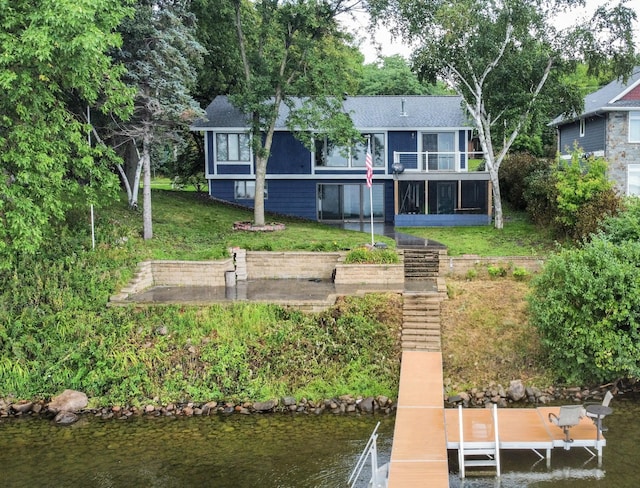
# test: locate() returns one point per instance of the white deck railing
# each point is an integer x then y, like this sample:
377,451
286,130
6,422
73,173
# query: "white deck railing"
422,162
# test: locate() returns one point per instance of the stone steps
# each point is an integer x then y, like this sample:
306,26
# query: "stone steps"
421,322
420,264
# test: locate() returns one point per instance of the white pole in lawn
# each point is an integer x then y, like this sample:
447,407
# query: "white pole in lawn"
369,165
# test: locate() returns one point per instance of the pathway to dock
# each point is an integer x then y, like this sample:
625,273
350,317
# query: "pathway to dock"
424,429
419,452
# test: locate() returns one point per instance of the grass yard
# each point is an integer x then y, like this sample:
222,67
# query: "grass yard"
519,237
486,336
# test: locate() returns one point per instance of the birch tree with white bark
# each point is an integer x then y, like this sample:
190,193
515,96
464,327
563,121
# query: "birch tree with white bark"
507,59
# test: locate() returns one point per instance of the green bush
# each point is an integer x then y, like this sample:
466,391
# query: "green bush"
572,197
625,226
585,195
520,274
471,274
540,194
497,271
514,171
585,305
365,255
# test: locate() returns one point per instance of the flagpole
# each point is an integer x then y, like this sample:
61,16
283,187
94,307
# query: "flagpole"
371,212
369,167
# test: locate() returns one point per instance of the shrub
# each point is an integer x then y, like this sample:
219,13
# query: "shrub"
496,271
472,274
584,304
625,226
365,255
540,194
520,274
584,195
514,171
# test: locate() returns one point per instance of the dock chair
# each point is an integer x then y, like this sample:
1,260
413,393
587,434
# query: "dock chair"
570,416
598,415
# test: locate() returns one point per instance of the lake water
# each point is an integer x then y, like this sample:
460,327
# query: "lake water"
270,451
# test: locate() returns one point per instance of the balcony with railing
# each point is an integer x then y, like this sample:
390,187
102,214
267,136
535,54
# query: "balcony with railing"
433,161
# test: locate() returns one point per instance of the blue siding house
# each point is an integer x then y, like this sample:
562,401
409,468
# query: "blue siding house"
421,148
609,127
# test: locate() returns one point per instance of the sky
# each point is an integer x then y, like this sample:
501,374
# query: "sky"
391,45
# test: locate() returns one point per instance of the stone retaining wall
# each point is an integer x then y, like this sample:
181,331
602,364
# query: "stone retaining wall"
460,265
175,273
369,274
291,265
191,273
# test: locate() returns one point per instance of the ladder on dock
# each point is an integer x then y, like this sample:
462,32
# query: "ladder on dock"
479,454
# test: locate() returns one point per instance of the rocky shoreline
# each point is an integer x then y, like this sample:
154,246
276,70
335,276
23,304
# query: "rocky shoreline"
69,405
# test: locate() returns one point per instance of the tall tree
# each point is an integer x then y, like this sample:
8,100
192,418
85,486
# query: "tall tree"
54,63
161,54
507,59
289,50
393,76
221,68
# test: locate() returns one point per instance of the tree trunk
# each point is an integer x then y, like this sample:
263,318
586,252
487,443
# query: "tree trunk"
497,200
261,168
258,203
146,191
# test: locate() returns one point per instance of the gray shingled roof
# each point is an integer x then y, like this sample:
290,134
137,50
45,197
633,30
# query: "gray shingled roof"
379,112
600,100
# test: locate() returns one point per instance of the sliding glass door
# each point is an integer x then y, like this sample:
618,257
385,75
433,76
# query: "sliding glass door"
350,202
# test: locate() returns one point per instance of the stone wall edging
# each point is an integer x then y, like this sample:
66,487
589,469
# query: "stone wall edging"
460,265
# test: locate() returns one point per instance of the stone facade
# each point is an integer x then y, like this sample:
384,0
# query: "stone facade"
619,151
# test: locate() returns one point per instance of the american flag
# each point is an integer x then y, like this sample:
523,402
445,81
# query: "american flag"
369,164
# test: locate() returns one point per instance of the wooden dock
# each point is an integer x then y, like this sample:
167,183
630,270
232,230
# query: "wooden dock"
520,429
425,430
419,451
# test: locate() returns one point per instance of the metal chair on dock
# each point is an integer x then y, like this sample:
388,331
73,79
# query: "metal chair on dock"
598,411
568,417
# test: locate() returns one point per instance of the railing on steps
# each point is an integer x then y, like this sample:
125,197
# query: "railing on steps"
490,451
370,450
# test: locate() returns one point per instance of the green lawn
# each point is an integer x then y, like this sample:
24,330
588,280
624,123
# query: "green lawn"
519,237
191,226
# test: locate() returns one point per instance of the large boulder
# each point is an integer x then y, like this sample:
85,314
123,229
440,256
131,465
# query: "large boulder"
516,390
68,401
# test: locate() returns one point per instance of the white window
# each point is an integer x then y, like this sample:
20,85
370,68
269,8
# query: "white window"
634,126
633,179
581,127
232,148
329,154
246,190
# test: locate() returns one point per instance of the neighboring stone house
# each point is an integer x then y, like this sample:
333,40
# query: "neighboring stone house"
609,127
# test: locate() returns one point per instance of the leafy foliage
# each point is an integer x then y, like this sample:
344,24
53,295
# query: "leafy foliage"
573,197
293,49
516,168
625,226
371,256
394,77
54,64
585,305
508,61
